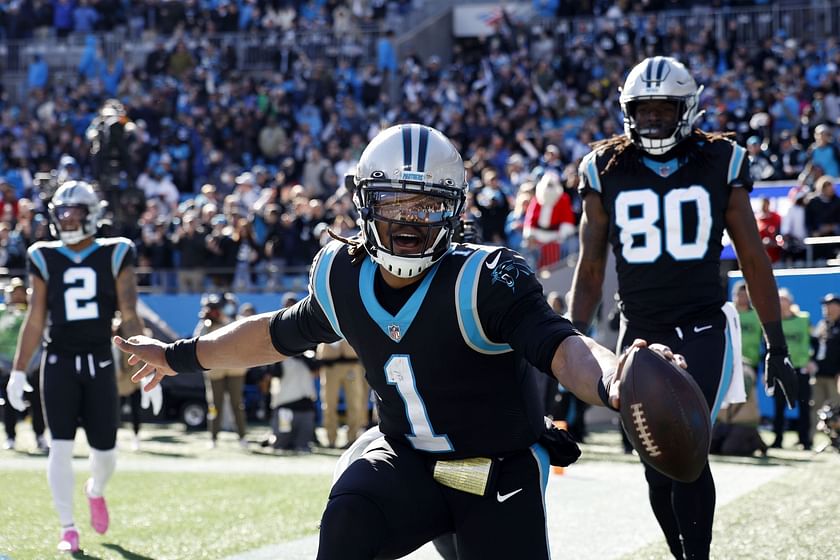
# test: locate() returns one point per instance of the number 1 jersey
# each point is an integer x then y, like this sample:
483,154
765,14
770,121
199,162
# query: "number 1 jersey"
450,367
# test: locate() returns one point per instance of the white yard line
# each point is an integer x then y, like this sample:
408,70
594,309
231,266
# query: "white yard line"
595,510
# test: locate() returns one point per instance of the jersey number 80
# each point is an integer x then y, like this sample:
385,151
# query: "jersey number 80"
637,213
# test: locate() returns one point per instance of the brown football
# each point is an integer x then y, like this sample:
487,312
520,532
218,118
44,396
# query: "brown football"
665,415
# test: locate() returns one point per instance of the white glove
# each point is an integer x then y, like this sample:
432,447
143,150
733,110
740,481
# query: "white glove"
153,397
15,388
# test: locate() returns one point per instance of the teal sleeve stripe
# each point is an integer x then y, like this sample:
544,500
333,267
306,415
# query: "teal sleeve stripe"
120,251
39,261
321,284
467,296
735,163
592,174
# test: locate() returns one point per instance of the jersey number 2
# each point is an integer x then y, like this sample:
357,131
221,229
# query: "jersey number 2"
80,296
400,373
641,239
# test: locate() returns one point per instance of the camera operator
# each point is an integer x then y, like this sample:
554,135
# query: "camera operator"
110,134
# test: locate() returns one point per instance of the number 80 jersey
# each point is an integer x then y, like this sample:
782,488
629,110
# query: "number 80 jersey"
666,222
81,291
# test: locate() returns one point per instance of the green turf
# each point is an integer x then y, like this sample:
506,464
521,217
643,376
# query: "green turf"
794,517
165,515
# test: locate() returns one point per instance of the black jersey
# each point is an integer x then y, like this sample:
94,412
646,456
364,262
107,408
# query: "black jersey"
81,291
449,368
666,222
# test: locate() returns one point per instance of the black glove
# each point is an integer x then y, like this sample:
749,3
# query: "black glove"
779,374
561,447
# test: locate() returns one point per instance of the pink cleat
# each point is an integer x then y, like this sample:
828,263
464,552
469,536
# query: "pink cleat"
69,541
98,510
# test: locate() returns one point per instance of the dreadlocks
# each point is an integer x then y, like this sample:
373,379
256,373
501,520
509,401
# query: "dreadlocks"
623,151
356,246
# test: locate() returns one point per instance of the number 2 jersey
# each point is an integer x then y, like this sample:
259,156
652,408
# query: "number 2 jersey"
81,291
666,222
450,368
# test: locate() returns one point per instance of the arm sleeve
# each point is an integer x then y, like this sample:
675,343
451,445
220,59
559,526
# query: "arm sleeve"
512,309
300,327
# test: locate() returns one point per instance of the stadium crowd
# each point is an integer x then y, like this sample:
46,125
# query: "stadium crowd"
241,174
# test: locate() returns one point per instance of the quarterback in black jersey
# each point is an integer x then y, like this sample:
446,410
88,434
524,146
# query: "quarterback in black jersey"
661,194
443,331
78,284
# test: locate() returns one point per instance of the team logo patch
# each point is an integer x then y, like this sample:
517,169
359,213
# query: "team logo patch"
394,332
509,271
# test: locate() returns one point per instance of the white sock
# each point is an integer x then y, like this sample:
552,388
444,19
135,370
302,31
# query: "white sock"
61,480
102,465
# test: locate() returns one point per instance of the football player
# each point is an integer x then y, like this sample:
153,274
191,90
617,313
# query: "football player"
443,331
661,194
78,283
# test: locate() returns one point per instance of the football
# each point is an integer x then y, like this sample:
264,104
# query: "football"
664,415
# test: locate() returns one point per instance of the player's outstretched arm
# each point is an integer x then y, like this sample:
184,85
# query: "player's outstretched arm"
243,343
593,373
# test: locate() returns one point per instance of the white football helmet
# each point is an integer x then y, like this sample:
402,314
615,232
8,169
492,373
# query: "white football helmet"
660,77
75,195
409,189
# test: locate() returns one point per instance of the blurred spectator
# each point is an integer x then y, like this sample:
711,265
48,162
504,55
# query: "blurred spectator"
85,17
760,167
222,244
38,74
822,215
827,356
341,373
12,313
769,227
293,401
823,154
796,325
189,241
494,208
549,220
793,228
221,382
789,157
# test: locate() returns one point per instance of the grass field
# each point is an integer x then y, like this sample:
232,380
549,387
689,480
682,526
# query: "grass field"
178,500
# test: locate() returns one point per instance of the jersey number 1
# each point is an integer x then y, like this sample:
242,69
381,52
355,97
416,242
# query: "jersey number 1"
80,296
400,373
636,214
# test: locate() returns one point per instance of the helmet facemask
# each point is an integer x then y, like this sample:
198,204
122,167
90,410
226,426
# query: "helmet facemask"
408,227
76,205
409,191
660,79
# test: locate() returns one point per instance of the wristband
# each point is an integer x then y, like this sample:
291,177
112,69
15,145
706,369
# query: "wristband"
605,397
181,356
774,334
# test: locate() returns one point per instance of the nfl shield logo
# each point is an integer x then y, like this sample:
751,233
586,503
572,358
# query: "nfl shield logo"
394,332
665,170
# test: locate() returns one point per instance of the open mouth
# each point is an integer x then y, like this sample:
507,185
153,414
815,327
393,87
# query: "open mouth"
408,241
655,132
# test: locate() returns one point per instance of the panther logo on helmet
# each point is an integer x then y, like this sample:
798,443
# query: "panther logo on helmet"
660,78
74,199
409,189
